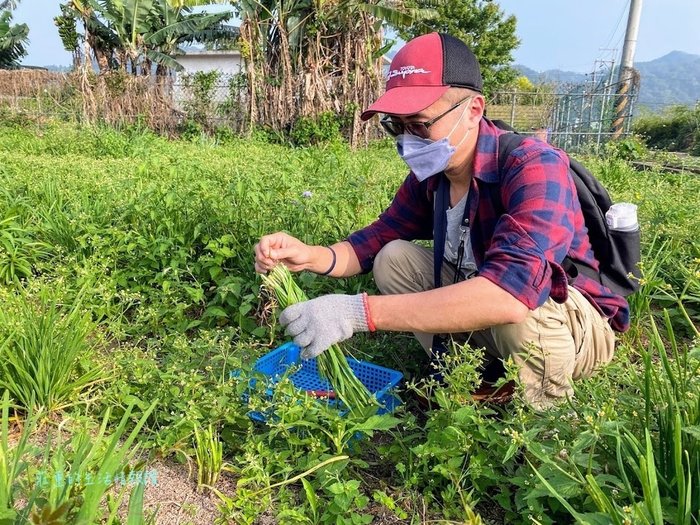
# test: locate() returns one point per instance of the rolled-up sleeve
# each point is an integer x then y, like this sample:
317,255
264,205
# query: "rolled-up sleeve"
408,217
533,236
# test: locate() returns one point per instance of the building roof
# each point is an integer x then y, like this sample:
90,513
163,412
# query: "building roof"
192,51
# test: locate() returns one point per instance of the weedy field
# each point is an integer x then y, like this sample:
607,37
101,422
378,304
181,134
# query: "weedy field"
128,298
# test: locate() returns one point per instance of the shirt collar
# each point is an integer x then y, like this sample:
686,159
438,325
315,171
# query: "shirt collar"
486,154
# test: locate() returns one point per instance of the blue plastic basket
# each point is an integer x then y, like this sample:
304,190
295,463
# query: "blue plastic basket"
378,379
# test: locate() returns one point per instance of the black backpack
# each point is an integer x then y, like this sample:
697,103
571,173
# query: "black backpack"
617,252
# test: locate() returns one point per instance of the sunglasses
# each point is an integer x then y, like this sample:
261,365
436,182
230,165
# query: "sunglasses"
395,127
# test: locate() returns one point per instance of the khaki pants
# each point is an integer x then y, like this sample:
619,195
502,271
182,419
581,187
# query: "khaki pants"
555,344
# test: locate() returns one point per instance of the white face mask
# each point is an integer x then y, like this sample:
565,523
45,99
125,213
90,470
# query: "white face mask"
427,157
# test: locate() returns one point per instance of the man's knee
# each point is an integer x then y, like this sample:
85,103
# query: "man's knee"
396,266
514,337
541,328
543,350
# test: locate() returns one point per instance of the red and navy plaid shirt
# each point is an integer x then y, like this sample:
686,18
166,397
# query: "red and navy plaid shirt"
523,223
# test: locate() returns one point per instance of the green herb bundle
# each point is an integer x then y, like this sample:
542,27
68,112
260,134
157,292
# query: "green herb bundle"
332,364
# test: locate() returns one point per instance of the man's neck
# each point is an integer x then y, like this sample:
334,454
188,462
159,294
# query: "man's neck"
463,170
460,176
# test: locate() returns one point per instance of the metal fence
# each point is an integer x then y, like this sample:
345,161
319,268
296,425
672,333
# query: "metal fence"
573,117
212,98
576,118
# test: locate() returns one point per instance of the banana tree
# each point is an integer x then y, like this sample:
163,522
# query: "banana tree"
128,21
135,34
98,42
13,41
307,57
174,26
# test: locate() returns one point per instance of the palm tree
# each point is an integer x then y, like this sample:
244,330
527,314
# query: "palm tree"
13,41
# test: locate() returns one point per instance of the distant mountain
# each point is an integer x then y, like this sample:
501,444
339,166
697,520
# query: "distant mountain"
672,79
556,76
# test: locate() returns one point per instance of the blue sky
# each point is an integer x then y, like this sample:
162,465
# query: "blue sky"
571,35
554,34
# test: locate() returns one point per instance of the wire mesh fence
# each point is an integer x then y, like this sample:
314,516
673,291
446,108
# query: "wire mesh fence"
573,117
578,117
213,99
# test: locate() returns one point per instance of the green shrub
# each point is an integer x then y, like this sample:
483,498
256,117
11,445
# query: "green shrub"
631,148
677,129
191,129
201,107
19,252
309,131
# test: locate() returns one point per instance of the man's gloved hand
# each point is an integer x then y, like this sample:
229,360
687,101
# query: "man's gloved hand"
319,323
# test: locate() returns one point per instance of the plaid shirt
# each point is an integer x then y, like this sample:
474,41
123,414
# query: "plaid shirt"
523,222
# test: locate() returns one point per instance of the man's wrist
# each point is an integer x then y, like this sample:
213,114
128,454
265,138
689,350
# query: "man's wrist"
323,260
368,313
333,261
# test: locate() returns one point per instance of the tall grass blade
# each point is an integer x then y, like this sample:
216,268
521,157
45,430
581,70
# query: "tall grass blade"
135,511
556,494
115,455
650,487
12,463
601,500
678,467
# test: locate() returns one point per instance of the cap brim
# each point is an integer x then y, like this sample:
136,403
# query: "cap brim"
406,100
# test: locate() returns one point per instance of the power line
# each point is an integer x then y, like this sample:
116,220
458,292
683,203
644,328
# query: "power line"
625,9
620,40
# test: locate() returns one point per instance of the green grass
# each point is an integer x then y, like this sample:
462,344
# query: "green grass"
41,351
146,247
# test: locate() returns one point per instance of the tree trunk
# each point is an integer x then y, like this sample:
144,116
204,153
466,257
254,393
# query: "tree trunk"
332,70
249,39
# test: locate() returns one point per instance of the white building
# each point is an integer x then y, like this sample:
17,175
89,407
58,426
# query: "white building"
227,62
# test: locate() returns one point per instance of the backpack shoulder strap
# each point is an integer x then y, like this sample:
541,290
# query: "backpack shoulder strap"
507,142
510,141
594,201
442,200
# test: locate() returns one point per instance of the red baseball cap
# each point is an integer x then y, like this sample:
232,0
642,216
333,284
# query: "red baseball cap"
422,71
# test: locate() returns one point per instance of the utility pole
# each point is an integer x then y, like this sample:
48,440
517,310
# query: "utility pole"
627,73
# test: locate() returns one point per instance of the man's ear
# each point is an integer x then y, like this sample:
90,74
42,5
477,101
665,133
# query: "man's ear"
476,110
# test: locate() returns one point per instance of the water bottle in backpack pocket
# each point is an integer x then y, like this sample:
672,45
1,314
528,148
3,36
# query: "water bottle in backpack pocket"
615,240
623,230
622,217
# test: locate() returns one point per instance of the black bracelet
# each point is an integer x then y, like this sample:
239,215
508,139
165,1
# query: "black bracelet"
332,264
